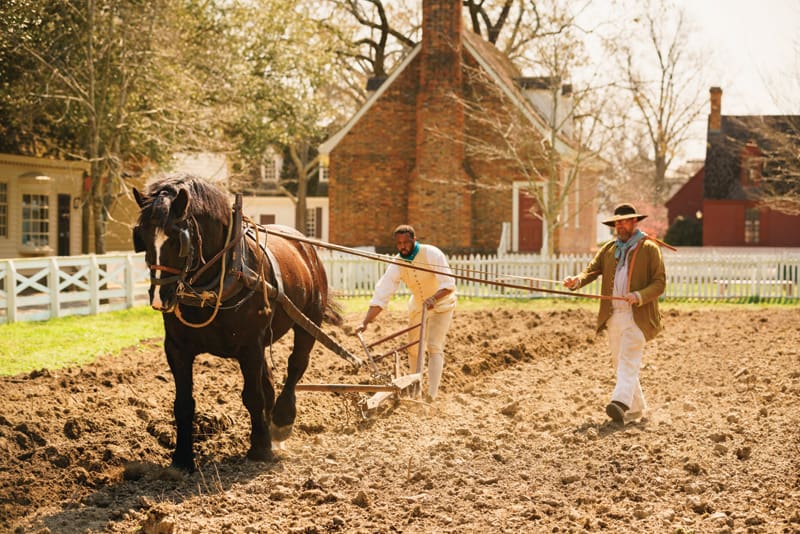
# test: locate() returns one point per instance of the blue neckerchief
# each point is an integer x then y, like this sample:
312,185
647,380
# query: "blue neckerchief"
621,248
413,254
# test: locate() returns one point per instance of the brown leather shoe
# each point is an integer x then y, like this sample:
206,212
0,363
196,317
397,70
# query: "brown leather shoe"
616,411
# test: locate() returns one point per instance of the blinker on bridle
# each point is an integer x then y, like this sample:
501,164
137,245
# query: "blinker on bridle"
185,250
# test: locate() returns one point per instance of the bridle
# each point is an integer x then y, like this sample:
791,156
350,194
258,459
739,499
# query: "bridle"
194,265
187,236
231,279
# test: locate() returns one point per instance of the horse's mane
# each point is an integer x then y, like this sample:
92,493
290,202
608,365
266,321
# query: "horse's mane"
205,199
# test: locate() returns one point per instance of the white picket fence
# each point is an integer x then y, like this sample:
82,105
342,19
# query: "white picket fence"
43,288
692,274
35,289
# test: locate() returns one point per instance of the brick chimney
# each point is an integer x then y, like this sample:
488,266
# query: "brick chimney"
439,198
715,118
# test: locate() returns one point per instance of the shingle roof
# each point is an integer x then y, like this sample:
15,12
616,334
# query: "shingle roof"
774,135
500,68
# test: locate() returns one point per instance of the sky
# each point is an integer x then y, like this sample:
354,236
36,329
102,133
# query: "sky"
756,48
756,55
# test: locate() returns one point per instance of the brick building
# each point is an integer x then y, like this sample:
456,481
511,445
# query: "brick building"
387,166
742,159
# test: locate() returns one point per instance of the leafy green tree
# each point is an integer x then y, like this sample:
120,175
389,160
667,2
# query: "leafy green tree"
282,97
125,84
95,81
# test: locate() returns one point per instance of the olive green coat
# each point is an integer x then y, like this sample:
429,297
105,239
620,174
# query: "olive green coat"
646,276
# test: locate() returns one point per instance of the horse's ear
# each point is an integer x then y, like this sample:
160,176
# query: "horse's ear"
139,198
180,205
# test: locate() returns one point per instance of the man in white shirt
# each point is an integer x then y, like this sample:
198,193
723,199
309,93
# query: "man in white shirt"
435,291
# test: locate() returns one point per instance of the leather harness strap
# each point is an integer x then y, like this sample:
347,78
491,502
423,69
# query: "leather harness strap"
299,317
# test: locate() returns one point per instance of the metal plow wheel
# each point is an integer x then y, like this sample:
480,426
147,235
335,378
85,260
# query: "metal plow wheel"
384,386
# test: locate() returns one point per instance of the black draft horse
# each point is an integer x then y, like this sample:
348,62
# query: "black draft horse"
186,230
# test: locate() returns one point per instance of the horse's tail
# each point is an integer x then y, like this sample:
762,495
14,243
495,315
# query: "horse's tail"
332,313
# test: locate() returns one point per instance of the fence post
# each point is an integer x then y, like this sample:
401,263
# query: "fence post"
94,283
11,291
129,282
52,284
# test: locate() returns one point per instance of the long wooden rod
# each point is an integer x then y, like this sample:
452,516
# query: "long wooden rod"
409,265
345,388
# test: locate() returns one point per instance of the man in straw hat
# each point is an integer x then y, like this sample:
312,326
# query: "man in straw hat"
633,278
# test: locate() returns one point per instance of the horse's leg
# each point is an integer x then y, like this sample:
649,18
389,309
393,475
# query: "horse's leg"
257,396
284,413
183,408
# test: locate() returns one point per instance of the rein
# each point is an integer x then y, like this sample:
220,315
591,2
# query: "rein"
171,270
227,246
387,259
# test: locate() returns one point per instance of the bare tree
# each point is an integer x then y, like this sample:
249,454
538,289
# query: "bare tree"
369,38
375,34
513,26
780,186
665,82
766,149
544,140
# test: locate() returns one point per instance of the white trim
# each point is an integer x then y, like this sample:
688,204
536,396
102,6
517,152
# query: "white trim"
328,146
516,188
44,163
577,187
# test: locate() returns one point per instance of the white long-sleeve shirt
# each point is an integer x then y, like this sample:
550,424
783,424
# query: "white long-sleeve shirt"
422,284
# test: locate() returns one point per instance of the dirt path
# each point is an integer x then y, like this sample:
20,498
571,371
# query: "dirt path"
518,440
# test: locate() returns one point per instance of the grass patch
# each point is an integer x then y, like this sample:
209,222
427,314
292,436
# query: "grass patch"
74,340
77,340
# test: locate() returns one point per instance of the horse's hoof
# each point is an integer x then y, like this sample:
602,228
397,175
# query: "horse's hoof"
183,463
280,433
259,455
175,472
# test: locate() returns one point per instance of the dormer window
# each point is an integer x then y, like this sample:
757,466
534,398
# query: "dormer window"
269,170
271,165
752,162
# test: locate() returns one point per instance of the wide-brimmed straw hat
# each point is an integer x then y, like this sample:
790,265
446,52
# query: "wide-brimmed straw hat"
622,212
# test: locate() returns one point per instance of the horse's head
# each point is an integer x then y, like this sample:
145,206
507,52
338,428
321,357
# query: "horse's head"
183,221
165,234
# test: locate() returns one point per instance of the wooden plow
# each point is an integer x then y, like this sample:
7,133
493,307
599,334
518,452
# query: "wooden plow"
386,386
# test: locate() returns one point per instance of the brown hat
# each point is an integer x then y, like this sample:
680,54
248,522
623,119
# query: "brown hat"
622,212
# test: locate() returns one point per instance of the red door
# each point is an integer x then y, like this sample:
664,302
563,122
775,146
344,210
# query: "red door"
529,226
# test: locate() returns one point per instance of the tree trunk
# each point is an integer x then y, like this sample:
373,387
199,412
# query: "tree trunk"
98,221
300,206
302,186
659,182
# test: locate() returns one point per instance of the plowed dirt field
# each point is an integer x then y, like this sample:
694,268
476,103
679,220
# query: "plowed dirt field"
518,440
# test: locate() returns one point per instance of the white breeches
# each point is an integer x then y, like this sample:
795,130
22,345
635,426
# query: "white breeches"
626,341
438,324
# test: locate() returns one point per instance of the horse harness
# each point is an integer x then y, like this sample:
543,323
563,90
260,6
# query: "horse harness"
235,277
235,273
